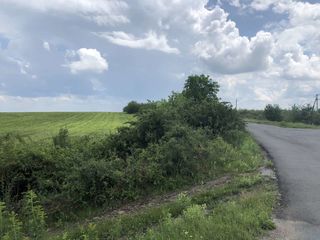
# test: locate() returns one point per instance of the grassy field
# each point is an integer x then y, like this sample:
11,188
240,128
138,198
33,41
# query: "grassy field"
45,125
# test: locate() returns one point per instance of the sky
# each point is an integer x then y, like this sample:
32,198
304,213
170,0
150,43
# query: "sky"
97,55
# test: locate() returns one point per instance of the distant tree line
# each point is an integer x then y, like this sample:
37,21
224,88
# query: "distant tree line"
303,114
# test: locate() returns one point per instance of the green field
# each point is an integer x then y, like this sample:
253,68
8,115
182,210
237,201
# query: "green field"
45,125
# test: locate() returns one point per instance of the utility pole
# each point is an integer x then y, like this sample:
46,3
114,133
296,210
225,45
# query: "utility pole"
316,103
236,103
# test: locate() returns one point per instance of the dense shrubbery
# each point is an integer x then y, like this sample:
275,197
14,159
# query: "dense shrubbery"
184,139
133,107
304,114
297,114
272,113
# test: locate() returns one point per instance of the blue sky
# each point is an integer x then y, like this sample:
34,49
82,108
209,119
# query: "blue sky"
96,55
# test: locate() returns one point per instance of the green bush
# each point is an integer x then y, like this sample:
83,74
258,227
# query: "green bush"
273,113
304,114
133,107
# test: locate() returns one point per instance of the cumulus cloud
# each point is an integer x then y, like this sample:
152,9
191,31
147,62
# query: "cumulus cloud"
262,5
207,33
222,47
296,54
103,12
151,41
90,60
297,44
297,65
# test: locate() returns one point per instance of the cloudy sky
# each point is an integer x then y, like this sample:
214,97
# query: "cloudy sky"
96,55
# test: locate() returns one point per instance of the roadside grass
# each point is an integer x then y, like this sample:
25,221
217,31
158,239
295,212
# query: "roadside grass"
246,217
283,124
247,198
45,125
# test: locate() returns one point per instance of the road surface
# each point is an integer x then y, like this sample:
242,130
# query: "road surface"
296,155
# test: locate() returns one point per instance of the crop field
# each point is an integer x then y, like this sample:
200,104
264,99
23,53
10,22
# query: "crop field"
45,125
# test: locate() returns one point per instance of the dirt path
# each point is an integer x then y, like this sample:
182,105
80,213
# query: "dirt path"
156,201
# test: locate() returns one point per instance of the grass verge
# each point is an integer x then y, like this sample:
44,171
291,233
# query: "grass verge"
283,124
240,209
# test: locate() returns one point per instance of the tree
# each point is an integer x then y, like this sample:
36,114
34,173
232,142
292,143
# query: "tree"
132,107
200,88
273,113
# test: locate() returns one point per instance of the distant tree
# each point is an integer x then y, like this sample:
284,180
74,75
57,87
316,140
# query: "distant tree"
273,113
132,107
200,87
304,114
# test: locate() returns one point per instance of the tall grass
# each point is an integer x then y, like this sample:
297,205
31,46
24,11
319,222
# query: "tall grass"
243,219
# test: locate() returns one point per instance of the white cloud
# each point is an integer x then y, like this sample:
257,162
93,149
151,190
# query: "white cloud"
270,94
296,53
151,41
262,5
90,60
300,13
222,47
207,33
235,3
103,12
297,45
46,46
206,21
297,65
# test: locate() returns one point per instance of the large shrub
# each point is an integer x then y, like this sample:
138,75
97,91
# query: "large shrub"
132,107
272,113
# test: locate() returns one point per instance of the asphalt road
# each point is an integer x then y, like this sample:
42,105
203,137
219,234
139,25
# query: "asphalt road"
296,155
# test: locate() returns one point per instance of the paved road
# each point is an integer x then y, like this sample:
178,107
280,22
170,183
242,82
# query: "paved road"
296,154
